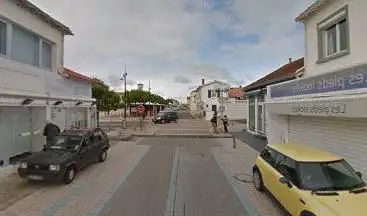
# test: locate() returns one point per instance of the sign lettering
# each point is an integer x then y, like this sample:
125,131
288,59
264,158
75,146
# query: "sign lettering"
323,109
352,78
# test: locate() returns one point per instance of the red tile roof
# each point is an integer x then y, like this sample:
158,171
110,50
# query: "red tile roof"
76,76
236,92
286,72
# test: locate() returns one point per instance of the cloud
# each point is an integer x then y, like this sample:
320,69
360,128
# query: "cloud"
173,40
182,79
215,72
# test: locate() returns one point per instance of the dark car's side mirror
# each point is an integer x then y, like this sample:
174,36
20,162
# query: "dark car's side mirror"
285,180
359,174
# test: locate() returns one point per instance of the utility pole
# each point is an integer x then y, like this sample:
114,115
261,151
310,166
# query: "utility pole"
125,95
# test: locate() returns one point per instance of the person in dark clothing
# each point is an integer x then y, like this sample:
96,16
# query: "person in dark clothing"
214,123
225,123
50,132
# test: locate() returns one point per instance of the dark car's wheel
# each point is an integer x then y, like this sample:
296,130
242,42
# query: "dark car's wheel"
163,121
103,155
258,181
69,175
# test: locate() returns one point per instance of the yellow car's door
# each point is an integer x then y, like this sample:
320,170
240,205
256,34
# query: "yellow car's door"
288,185
266,164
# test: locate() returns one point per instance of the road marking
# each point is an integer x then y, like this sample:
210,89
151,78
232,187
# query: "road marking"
171,208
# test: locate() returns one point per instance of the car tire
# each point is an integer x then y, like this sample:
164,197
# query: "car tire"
69,175
257,179
307,213
163,121
103,155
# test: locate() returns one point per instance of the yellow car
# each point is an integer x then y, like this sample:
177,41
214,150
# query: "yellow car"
310,182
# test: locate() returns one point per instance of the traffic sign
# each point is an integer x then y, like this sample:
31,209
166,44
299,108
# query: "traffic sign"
141,108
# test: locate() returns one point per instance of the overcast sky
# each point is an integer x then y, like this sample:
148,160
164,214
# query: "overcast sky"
175,43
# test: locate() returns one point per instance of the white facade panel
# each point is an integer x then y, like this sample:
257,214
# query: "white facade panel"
342,136
236,110
357,31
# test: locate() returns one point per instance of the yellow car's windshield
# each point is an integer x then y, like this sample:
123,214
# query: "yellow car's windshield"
336,175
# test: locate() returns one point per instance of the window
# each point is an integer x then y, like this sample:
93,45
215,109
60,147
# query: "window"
46,55
269,155
209,93
25,47
3,34
334,36
252,113
218,92
214,108
336,175
287,167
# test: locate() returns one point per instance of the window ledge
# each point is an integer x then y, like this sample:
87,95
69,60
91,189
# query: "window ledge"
334,56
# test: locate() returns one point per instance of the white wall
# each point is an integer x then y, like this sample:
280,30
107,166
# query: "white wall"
211,101
358,35
22,78
236,110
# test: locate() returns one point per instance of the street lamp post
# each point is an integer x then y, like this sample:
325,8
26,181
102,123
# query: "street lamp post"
125,95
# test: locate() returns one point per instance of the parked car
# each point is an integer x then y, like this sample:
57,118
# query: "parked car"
165,117
310,182
72,151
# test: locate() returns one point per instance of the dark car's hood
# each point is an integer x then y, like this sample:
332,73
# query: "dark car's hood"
49,156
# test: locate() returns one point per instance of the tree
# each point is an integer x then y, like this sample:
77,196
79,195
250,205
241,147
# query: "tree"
139,96
99,92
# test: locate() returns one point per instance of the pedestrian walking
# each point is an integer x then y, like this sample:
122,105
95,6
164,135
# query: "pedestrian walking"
225,123
214,123
50,131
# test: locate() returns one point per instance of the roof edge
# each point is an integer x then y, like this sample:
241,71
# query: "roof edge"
312,9
32,8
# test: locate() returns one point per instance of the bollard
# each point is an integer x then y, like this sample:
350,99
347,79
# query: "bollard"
234,142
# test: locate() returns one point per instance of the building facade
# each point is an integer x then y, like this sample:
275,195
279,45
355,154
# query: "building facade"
327,107
31,84
256,94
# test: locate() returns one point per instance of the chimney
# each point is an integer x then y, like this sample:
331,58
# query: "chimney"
290,60
202,81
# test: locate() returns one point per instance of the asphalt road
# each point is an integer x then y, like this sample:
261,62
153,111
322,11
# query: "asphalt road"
179,173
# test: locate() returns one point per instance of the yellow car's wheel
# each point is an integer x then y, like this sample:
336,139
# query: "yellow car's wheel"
257,179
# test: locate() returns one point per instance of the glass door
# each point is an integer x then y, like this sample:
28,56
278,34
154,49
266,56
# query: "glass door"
260,118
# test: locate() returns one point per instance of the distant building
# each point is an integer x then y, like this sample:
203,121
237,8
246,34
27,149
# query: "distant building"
140,86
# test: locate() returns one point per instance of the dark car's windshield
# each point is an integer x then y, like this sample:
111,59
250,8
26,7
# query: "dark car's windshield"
336,175
160,114
67,142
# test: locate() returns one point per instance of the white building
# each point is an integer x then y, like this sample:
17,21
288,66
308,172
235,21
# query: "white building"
205,99
327,107
31,84
256,95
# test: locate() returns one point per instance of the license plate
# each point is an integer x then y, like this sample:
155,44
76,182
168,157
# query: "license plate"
35,177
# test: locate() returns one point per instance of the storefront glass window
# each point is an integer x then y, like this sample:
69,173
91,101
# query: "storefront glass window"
251,113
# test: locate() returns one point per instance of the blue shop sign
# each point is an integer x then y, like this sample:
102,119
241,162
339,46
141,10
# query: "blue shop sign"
347,79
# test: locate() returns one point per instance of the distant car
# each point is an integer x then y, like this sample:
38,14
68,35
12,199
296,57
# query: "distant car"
165,117
310,182
72,151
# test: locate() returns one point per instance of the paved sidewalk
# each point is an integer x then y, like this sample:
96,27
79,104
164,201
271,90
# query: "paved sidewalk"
237,166
88,193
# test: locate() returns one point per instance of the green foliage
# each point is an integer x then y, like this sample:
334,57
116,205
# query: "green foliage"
139,96
107,99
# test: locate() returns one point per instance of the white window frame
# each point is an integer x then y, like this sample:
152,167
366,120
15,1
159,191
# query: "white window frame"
9,35
338,42
333,20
